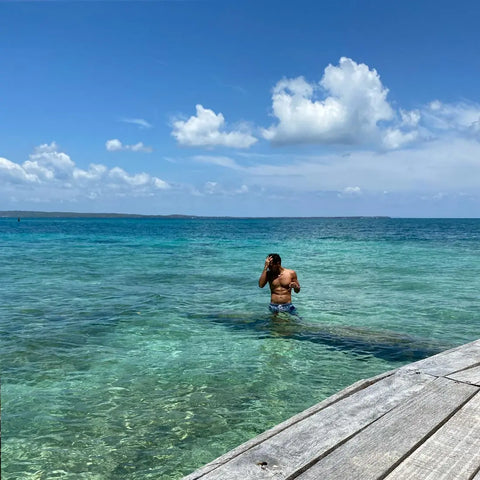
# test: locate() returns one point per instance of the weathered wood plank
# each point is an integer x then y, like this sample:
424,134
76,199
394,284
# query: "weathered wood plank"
378,448
290,450
449,361
470,375
453,452
350,390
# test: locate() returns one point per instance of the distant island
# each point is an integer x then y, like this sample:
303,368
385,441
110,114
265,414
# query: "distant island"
34,214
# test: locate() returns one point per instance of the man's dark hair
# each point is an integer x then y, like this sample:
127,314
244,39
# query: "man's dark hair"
275,258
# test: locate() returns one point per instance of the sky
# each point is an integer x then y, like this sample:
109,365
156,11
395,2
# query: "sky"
241,108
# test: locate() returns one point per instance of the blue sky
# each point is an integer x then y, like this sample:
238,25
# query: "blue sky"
242,108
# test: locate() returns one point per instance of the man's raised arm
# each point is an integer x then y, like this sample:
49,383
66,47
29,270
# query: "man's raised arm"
262,281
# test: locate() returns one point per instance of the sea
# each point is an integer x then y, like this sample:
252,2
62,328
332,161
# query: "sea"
143,348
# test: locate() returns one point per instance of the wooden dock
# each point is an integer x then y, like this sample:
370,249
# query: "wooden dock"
421,421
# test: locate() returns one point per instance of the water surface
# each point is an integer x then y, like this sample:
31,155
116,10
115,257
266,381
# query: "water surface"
143,348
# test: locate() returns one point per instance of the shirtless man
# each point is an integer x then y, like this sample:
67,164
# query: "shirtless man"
281,281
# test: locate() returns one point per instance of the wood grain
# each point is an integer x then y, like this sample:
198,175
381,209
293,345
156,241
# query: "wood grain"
469,375
375,450
450,361
453,452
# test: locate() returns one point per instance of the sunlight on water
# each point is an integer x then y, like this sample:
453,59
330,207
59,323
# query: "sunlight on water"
142,349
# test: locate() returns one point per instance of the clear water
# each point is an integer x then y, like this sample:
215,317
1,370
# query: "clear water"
143,348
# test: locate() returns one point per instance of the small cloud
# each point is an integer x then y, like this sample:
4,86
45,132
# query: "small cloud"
137,121
206,129
113,145
139,147
352,191
116,145
214,188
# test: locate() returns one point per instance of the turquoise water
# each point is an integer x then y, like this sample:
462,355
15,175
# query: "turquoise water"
143,348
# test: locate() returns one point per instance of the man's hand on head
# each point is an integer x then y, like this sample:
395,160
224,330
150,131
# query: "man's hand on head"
268,262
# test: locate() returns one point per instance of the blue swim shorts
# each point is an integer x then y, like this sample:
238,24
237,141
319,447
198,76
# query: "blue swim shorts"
283,308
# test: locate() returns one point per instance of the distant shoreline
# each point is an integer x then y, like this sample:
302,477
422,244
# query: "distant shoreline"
35,214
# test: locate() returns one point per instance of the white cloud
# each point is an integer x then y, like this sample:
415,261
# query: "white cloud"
113,145
352,191
14,173
116,145
460,117
206,129
139,147
355,102
394,138
137,121
138,180
410,118
50,174
215,188
94,172
46,162
349,106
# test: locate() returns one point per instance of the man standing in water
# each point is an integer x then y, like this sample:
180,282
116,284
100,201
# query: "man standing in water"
281,281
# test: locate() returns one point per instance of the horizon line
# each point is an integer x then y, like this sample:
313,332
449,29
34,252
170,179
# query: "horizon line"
67,214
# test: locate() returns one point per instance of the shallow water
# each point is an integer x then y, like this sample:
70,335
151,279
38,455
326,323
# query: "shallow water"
143,348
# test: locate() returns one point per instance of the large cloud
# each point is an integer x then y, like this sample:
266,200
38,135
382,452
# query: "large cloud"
349,106
206,129
355,101
51,174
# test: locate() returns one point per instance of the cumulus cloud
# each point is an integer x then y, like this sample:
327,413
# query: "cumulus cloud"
354,102
14,173
116,145
207,129
50,174
349,106
113,145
